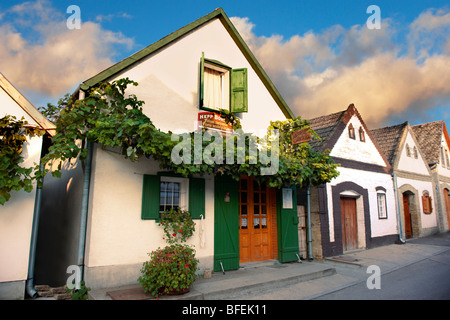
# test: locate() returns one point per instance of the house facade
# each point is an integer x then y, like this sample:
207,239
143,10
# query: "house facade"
413,183
202,67
356,210
434,141
16,215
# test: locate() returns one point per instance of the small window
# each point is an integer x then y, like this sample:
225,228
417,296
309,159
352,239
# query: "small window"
442,158
416,154
408,150
351,131
446,157
362,136
427,203
172,194
216,88
222,87
382,208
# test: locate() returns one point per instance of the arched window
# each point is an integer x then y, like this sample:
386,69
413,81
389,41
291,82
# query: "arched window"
351,131
416,154
362,136
381,202
408,150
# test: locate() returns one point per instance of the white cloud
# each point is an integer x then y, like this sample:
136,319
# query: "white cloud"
54,58
321,73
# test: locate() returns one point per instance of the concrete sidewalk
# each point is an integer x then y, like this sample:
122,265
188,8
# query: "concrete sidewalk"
232,284
316,278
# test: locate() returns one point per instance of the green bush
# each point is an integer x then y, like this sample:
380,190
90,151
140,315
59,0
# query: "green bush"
169,270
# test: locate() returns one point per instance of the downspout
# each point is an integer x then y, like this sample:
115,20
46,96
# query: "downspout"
84,204
29,287
84,209
308,218
397,204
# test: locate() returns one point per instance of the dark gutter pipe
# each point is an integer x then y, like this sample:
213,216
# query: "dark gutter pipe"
308,218
29,286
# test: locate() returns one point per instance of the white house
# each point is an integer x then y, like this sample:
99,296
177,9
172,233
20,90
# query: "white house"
434,142
16,215
201,67
412,180
356,210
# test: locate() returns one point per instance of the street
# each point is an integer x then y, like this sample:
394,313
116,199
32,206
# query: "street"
426,279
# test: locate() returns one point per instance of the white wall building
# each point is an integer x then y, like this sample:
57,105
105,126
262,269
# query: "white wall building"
124,196
412,177
16,215
356,209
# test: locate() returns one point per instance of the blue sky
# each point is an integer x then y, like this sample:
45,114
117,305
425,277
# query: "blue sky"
320,54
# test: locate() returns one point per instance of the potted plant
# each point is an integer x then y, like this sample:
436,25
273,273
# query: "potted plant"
172,269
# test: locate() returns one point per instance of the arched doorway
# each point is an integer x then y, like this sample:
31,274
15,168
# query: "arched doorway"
447,205
407,215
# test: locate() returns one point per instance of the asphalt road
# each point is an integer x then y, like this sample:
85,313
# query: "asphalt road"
428,279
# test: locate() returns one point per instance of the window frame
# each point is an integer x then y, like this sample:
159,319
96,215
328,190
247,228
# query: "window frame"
427,203
194,196
408,151
351,132
362,135
183,192
381,194
234,97
225,74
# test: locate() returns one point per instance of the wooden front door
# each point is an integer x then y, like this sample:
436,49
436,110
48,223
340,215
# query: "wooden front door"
407,214
447,206
256,215
349,224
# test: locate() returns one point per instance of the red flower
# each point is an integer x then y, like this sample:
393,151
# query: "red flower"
187,271
180,231
186,266
174,234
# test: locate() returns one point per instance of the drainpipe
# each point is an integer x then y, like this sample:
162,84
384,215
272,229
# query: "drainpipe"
84,201
308,218
84,209
29,287
397,204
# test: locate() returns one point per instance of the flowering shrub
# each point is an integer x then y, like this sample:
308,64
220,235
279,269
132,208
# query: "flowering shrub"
170,269
178,225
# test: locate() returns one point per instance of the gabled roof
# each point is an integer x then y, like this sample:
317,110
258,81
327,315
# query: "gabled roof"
429,137
330,127
389,139
26,106
159,45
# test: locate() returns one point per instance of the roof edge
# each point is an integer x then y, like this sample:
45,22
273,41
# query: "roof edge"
27,106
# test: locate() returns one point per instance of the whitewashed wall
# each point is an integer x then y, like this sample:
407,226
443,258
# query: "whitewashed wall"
118,240
368,180
169,81
16,216
354,149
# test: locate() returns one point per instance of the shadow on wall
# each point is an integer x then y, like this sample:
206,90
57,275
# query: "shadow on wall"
59,223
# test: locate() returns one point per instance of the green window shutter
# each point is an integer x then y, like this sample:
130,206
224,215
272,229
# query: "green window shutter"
202,79
238,90
150,197
197,197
